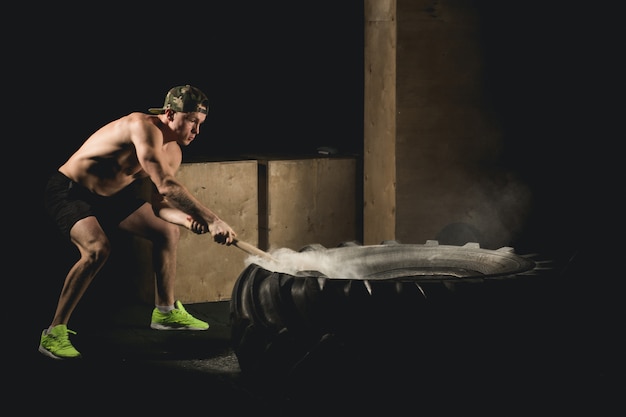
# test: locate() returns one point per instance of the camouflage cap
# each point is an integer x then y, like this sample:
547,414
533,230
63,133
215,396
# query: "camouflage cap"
184,98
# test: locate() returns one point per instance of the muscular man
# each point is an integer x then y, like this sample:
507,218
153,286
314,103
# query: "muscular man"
92,192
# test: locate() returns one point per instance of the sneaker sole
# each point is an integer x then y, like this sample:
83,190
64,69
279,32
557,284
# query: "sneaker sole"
49,354
157,326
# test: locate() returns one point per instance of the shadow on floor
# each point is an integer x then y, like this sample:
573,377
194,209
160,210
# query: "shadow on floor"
129,368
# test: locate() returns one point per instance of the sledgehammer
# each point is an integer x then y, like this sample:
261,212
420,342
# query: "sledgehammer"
245,246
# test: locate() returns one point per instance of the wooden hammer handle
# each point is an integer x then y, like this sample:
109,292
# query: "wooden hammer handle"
253,250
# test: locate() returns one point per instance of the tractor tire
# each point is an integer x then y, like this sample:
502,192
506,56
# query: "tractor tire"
414,309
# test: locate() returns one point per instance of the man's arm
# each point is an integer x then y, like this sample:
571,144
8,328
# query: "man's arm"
161,165
173,215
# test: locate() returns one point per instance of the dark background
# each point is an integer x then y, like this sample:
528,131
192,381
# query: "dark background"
282,77
285,78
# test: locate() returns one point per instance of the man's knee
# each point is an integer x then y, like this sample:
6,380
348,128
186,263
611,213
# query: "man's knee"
169,234
173,233
98,251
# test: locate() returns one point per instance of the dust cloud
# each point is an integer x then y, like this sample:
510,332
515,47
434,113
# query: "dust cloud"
291,262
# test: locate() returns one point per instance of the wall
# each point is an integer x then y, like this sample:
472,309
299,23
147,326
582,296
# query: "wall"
379,128
447,143
431,142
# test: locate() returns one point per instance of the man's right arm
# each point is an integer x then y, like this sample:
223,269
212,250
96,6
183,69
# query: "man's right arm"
161,167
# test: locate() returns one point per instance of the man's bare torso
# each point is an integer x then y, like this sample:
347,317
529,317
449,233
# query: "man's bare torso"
107,161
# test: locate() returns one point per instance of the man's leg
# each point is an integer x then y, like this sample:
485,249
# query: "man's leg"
168,314
94,248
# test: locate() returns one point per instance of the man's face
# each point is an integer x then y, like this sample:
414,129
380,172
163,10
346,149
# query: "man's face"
187,126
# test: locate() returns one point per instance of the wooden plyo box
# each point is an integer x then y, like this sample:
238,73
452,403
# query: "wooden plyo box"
307,201
272,204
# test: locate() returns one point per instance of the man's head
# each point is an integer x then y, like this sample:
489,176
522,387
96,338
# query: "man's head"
184,98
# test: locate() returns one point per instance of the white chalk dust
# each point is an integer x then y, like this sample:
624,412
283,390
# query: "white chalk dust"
291,262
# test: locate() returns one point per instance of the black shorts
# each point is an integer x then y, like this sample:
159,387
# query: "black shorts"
68,202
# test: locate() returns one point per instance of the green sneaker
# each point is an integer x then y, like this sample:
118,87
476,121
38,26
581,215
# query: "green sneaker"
56,344
177,319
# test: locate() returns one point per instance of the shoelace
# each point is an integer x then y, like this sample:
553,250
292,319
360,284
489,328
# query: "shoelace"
64,337
183,314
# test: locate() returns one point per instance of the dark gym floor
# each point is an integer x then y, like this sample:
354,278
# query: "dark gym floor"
129,368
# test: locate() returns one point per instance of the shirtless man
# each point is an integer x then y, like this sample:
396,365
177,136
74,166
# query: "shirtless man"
92,192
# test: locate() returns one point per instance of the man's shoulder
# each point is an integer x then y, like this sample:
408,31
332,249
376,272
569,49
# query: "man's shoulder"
139,117
138,120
